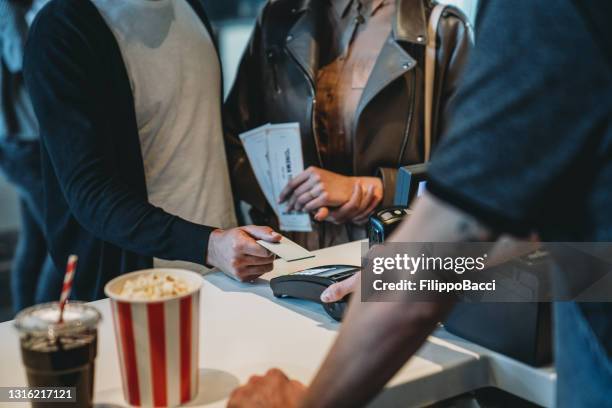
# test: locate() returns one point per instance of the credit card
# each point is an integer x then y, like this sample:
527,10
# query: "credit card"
287,249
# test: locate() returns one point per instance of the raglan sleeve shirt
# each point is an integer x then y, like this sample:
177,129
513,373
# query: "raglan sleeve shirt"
60,71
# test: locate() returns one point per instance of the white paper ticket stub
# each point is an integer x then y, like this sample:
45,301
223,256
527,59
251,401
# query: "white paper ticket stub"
285,154
275,154
256,146
287,249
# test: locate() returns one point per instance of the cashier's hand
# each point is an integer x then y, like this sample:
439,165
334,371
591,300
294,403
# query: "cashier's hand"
273,390
332,196
338,290
236,252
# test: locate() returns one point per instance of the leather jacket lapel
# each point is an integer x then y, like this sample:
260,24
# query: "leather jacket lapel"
410,25
301,40
392,62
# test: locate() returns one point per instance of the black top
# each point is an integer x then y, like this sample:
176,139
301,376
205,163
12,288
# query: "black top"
95,197
530,146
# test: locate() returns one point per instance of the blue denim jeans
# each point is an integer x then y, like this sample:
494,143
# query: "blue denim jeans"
584,365
32,269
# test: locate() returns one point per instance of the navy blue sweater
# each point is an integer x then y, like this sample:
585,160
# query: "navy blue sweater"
95,192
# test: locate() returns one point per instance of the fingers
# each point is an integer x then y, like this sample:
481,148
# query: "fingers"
339,290
249,260
306,186
362,218
321,214
236,252
273,374
304,193
244,244
365,201
297,386
250,273
345,211
255,379
274,389
277,374
371,203
299,202
253,260
321,188
294,183
265,233
320,201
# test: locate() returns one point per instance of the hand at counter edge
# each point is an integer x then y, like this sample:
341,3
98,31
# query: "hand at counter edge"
273,390
236,252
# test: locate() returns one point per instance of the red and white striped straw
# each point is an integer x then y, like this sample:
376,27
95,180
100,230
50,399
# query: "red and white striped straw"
70,268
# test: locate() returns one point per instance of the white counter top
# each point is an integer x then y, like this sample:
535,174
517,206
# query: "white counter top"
245,330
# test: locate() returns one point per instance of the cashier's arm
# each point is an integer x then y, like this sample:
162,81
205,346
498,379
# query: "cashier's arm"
376,339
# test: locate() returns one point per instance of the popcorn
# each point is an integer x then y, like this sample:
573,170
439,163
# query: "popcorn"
154,286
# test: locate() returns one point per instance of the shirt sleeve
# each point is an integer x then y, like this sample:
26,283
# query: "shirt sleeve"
62,79
523,131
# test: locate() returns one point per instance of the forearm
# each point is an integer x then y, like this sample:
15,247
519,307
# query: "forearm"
347,376
102,204
377,338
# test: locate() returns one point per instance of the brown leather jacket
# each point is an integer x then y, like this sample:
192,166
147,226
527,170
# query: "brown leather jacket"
275,84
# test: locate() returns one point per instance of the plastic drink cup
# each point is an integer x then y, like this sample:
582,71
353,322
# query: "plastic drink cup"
60,354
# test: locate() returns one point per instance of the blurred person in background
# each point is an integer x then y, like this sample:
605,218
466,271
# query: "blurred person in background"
128,98
351,72
20,154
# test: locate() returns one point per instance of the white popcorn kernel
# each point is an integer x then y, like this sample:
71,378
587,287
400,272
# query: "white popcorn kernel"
154,286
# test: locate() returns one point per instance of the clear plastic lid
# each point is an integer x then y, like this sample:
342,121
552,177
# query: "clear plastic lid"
43,319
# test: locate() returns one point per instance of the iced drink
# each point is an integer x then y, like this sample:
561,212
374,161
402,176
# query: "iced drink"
60,354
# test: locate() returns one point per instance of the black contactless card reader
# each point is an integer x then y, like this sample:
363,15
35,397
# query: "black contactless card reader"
383,223
310,283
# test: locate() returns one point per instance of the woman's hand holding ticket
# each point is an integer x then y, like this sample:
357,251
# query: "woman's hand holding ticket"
331,196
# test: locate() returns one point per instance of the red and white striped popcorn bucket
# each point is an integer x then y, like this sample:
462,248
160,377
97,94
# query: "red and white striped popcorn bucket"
157,342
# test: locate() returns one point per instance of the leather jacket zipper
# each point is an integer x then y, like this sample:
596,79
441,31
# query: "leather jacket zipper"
314,106
409,120
271,55
321,229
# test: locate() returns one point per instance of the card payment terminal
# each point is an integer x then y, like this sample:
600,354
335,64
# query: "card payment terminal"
310,283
